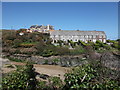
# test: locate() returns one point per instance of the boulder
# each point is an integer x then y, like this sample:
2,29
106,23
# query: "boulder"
110,63
110,60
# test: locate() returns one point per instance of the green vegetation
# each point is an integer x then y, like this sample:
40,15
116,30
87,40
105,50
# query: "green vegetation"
78,50
40,44
23,78
15,59
55,83
45,62
28,44
88,77
19,60
55,61
9,66
42,85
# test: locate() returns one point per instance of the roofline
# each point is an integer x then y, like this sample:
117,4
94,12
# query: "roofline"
81,30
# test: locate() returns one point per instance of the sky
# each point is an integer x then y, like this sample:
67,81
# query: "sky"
99,16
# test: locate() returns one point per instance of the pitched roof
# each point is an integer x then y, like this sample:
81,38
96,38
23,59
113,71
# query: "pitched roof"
76,32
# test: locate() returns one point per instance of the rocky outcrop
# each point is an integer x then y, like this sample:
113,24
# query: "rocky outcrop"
110,65
56,60
110,60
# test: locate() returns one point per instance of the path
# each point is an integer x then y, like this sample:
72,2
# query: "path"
51,70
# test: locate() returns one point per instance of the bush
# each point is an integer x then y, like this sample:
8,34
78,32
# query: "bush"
45,62
40,47
115,45
55,61
78,50
55,83
87,77
42,85
17,43
27,45
22,79
107,47
82,43
47,53
63,51
15,59
60,42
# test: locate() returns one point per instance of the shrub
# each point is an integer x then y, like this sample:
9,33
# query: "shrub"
107,47
82,43
28,51
15,59
55,83
78,50
22,79
55,61
40,47
60,42
42,85
63,51
47,53
45,62
17,43
87,77
115,45
27,45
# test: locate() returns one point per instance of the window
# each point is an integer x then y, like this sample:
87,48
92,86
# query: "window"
90,36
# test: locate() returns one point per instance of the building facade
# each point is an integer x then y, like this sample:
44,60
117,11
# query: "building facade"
73,35
65,35
40,28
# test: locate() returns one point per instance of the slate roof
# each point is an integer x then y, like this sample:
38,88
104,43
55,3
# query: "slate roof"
75,32
41,27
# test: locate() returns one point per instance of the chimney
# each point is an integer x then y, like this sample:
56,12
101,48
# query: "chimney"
48,27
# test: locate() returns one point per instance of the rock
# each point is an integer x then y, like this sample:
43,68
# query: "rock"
66,61
94,56
44,76
110,60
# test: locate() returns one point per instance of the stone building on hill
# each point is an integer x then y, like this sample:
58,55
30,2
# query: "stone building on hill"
66,35
76,35
40,28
